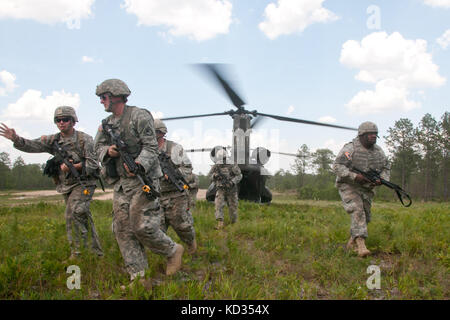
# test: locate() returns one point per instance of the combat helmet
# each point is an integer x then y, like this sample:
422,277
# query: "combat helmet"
65,111
160,126
366,127
115,86
221,156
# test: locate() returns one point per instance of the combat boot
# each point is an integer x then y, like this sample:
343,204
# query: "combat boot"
219,225
174,262
361,247
350,244
192,248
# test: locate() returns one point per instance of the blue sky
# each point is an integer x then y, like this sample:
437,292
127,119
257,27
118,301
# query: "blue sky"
342,62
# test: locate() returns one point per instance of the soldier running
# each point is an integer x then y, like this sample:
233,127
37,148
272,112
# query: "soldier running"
175,203
355,190
225,176
77,193
137,217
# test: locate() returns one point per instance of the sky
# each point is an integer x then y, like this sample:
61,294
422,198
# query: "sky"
339,62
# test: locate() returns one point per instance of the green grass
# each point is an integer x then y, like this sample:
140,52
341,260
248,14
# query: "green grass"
289,249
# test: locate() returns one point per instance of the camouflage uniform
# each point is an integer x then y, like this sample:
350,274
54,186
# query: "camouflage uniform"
175,204
227,191
357,198
193,190
78,215
136,219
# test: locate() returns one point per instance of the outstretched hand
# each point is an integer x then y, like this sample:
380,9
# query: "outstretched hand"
8,133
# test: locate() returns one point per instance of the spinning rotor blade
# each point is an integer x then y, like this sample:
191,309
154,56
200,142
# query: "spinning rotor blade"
197,116
216,74
256,122
281,118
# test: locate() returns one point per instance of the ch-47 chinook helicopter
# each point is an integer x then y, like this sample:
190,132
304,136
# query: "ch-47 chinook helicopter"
252,186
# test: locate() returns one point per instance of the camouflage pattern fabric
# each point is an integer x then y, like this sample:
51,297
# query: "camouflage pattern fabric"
80,148
357,203
136,219
226,177
79,222
357,198
177,214
114,86
229,197
193,182
65,111
174,204
78,215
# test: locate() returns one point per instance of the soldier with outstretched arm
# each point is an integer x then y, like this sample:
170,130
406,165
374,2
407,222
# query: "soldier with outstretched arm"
137,213
355,190
76,184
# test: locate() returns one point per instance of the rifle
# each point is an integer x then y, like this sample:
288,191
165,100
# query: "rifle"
224,179
133,167
171,173
373,175
62,156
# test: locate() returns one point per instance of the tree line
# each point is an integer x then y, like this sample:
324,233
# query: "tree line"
419,157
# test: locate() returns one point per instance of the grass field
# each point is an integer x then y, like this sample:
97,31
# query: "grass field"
289,249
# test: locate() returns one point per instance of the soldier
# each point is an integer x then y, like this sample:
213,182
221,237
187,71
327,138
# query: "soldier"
193,190
136,220
79,147
175,204
225,176
355,190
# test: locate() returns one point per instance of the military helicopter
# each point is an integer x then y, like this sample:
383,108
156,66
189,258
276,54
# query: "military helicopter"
251,162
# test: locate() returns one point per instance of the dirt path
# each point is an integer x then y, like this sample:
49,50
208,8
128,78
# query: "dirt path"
98,195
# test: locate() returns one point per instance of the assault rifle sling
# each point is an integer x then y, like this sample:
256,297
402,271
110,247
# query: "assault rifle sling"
372,175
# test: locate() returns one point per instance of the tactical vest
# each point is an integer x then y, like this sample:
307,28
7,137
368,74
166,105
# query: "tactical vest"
366,159
133,143
166,186
227,171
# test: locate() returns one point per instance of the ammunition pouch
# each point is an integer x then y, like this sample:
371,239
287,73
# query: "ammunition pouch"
51,168
111,169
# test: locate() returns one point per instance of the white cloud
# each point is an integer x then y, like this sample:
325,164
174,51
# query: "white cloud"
48,11
327,119
395,65
333,145
197,19
290,110
444,40
7,80
31,106
438,3
387,96
86,59
157,114
293,16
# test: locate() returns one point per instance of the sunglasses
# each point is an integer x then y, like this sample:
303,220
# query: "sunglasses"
104,96
65,119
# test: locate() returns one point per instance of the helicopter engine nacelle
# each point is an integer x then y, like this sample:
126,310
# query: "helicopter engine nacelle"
261,155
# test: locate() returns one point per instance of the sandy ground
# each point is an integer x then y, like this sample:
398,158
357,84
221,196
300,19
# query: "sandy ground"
98,195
